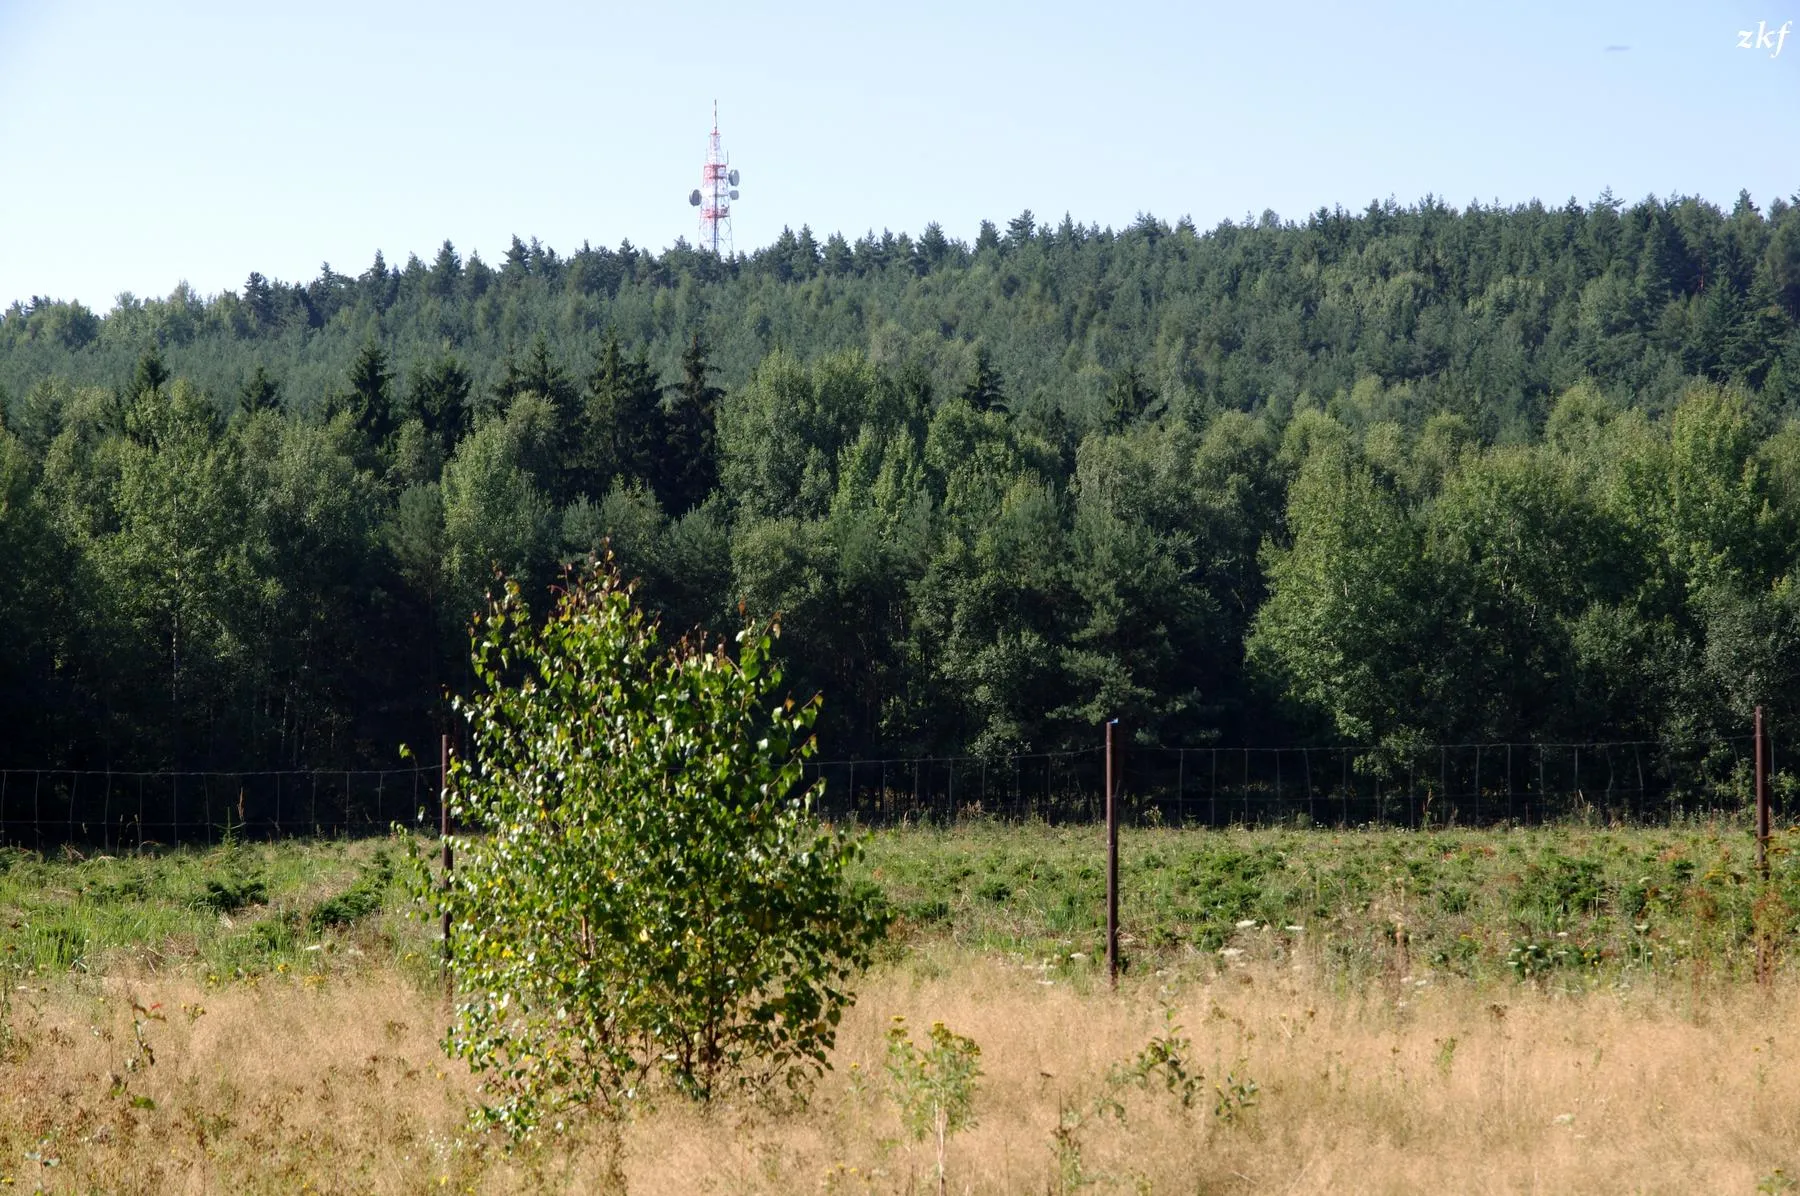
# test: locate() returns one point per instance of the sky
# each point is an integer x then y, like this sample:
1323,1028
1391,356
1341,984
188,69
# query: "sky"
142,145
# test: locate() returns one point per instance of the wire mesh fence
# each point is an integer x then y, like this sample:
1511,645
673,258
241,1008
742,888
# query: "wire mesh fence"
1440,785
45,808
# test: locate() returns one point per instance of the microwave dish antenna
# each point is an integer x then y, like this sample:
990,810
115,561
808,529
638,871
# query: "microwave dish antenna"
718,187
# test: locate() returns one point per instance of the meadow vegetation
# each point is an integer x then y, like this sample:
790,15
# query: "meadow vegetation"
1566,1009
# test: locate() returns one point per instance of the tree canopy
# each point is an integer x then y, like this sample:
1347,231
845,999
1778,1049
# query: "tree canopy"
1392,476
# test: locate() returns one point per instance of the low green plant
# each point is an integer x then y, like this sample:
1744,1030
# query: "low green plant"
1530,959
229,894
1164,1058
1236,1096
142,1056
1776,1181
361,899
1446,1054
933,1085
1065,1144
237,881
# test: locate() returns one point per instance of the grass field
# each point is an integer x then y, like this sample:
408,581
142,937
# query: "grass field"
1567,1009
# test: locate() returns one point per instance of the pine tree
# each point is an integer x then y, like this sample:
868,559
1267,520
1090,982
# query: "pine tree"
446,271
259,297
368,400
622,421
806,253
150,374
934,247
838,258
258,393
440,399
1130,397
1020,229
985,390
518,261
690,468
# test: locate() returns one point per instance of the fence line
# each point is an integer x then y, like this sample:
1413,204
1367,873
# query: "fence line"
1216,785
1213,785
132,809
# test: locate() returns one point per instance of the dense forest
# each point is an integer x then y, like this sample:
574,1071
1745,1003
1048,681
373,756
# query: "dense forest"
1403,476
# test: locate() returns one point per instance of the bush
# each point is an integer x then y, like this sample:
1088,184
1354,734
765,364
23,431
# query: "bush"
644,891
934,1086
231,894
361,899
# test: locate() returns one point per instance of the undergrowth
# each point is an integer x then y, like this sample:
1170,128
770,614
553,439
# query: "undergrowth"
1554,905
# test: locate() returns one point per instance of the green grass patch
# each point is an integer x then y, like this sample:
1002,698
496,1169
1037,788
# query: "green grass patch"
228,911
1556,904
1518,903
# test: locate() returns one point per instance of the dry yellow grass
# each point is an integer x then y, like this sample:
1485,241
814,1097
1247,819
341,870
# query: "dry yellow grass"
339,1087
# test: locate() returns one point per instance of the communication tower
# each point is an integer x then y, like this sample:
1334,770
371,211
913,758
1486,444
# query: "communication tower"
718,187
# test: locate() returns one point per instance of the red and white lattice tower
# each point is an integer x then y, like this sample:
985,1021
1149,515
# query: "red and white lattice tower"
718,187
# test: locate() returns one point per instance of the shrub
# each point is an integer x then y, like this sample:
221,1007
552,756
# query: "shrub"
231,894
934,1086
645,891
361,899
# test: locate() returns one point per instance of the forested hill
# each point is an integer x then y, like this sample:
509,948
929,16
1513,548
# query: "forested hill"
1403,475
1487,311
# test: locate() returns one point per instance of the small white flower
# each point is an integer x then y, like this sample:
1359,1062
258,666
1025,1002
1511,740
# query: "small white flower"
1247,924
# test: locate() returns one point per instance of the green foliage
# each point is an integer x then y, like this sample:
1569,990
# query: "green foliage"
934,1086
1165,1058
1602,906
1469,477
1236,1096
258,393
228,895
1531,959
358,901
1615,578
236,911
645,891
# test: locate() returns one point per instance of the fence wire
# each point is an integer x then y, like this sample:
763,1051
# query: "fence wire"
42,808
1440,785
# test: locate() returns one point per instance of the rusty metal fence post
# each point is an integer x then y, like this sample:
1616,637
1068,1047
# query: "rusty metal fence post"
1112,857
1762,801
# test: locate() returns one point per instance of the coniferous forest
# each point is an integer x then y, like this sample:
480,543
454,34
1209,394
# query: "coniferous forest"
1409,475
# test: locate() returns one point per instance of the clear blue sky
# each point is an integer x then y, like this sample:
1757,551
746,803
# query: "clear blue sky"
146,143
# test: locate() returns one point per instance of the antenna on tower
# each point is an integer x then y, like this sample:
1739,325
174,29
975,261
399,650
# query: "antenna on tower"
718,187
